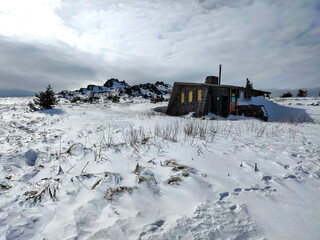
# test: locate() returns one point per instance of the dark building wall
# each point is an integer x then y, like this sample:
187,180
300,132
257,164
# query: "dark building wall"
202,107
220,101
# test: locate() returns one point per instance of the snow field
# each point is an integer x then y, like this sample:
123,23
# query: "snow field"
122,171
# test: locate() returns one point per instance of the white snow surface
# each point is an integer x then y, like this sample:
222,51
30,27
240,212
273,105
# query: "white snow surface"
122,171
276,112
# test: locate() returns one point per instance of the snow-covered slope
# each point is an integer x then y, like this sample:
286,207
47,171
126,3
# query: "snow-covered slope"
122,171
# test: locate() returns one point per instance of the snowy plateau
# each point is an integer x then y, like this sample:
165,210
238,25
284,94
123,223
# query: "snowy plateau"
106,170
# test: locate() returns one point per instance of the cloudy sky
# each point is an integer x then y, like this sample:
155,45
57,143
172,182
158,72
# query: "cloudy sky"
70,44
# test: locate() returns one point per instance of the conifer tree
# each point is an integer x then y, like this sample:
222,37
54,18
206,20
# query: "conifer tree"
249,85
302,93
44,100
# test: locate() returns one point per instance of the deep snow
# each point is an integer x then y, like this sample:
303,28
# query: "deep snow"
122,171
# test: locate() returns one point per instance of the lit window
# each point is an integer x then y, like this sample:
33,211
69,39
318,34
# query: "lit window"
199,95
182,97
190,96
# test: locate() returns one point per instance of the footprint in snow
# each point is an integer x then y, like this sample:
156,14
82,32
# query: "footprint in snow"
223,195
251,189
290,176
150,228
233,207
236,191
266,179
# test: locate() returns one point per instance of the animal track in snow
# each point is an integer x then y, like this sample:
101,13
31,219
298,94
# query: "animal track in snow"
266,179
223,195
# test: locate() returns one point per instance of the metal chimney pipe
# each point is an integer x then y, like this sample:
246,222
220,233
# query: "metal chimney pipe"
220,74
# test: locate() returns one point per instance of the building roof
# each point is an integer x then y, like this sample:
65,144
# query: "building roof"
217,85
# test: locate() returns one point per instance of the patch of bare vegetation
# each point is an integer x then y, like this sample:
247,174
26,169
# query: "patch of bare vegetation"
5,186
101,177
167,132
135,137
145,175
176,167
72,147
49,190
179,170
112,193
174,181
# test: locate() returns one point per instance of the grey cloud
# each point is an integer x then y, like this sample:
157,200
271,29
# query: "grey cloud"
32,66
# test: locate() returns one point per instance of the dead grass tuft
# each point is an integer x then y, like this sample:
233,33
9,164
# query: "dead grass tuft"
111,193
174,181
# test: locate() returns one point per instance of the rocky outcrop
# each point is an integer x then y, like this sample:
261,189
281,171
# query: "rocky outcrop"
113,86
113,82
255,111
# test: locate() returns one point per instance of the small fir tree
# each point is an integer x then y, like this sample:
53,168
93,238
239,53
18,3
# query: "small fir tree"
44,100
286,95
302,93
249,84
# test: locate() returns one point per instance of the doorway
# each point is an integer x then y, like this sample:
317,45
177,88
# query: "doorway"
225,106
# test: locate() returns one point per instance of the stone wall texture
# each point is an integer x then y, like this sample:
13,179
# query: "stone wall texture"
200,108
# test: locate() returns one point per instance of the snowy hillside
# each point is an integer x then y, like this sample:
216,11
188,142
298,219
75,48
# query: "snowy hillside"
122,171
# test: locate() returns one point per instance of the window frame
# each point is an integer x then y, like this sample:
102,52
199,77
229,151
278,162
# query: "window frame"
199,95
190,96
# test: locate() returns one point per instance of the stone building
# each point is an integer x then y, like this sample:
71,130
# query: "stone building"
222,100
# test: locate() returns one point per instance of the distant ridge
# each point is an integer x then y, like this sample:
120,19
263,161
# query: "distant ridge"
115,87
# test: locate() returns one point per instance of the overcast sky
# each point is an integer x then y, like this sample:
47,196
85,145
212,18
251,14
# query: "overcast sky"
70,44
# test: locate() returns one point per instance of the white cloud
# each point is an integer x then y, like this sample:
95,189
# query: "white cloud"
274,43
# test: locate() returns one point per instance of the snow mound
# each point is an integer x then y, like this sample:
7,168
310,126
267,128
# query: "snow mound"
276,112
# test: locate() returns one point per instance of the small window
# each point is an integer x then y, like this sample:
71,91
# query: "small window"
182,97
199,95
190,96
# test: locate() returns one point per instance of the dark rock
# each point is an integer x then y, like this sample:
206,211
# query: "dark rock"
111,82
252,111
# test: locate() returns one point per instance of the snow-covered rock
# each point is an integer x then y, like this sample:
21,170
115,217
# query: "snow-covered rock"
114,87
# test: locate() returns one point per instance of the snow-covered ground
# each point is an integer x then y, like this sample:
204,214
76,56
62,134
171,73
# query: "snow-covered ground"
123,171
